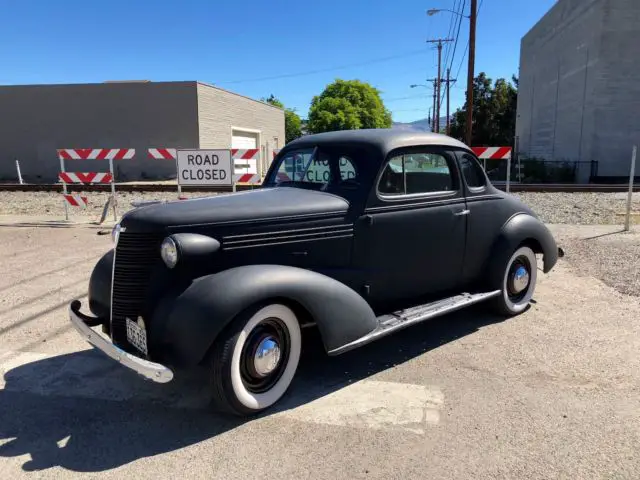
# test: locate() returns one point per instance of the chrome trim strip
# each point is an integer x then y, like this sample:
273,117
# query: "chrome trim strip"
113,274
435,311
153,371
478,198
278,237
339,213
288,241
288,231
411,206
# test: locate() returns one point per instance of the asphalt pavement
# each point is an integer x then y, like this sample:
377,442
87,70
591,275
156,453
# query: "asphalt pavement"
552,393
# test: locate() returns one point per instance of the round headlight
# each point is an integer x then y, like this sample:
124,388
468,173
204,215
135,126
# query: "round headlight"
169,252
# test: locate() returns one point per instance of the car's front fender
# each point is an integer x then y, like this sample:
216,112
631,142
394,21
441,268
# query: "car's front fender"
100,287
191,320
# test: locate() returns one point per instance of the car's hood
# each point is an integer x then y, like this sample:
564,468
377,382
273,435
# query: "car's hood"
259,204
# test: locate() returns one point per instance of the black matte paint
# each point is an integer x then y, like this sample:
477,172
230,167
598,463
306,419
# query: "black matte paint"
200,313
194,248
248,206
339,259
100,287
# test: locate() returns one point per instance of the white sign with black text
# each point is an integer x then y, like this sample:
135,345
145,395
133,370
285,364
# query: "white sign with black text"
205,167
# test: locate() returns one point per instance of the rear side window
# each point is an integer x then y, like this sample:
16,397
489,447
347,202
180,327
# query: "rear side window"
472,171
416,173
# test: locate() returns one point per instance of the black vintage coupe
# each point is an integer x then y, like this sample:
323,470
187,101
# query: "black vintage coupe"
358,233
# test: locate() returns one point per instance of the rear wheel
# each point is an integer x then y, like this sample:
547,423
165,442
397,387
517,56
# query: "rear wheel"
254,360
517,282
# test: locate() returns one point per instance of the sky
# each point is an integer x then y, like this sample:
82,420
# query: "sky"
256,48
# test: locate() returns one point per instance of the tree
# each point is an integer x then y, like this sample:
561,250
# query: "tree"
494,112
292,121
347,105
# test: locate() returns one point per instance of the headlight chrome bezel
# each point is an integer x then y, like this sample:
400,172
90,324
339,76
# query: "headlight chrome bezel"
115,233
169,252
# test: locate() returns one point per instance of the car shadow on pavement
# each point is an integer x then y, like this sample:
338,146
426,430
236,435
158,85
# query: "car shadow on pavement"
85,413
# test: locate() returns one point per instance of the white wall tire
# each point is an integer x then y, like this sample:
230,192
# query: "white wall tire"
515,295
243,385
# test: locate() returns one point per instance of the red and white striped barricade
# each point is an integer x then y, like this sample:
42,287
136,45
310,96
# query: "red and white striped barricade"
495,153
65,177
245,166
75,200
85,177
167,154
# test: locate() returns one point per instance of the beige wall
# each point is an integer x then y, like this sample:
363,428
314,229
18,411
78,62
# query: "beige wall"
35,120
220,110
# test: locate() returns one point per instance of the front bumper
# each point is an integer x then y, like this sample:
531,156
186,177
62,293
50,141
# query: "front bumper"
150,370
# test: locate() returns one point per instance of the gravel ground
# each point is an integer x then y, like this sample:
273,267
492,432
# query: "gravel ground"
49,203
566,208
580,208
603,252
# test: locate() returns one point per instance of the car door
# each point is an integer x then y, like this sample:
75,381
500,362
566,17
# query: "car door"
411,239
487,214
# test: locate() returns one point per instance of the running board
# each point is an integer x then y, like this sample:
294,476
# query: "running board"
393,322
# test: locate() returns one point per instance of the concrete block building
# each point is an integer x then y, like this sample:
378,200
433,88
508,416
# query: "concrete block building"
579,92
35,120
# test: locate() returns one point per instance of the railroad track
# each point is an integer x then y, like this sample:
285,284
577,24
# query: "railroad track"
163,187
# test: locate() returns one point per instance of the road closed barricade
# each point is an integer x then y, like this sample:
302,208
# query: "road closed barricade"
495,153
90,178
245,166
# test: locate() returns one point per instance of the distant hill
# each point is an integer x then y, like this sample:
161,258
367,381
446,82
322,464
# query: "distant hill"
417,125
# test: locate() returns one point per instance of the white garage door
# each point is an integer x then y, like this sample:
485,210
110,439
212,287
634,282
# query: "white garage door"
240,139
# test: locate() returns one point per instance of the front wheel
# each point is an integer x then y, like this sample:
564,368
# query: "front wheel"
518,282
254,360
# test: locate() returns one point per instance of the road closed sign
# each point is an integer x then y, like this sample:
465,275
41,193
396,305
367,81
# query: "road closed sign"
205,167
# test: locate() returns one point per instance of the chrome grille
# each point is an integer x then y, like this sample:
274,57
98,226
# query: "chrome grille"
135,255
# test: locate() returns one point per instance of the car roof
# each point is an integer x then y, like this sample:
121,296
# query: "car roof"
385,139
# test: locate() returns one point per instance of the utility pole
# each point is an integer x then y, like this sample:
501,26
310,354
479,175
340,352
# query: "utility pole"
434,122
470,73
448,81
439,41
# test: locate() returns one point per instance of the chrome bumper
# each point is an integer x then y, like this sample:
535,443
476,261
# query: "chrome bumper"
153,371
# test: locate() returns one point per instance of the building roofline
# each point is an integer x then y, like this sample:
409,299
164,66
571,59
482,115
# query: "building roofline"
137,82
558,4
204,84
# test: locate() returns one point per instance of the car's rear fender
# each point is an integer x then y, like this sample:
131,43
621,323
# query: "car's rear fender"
190,321
521,229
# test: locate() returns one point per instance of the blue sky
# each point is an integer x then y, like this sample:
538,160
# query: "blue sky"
237,45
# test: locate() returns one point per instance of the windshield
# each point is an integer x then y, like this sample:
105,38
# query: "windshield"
318,169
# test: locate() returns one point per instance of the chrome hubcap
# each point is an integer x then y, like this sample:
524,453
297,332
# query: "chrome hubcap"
267,356
520,279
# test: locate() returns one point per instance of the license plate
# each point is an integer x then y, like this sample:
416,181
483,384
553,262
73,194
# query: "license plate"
137,335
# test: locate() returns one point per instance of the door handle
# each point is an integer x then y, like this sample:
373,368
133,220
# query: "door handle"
463,212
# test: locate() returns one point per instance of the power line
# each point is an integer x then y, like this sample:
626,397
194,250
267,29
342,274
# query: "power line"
402,98
467,47
329,69
455,46
452,27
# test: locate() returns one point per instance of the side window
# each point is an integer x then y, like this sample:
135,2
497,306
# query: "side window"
416,173
292,166
319,170
347,168
472,171
392,179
